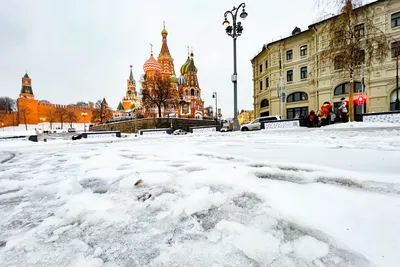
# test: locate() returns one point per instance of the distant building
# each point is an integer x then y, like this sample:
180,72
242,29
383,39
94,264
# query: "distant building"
209,113
245,116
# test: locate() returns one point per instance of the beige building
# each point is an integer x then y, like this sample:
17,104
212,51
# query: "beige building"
308,81
245,116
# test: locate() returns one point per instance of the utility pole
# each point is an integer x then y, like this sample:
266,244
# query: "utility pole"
362,89
397,103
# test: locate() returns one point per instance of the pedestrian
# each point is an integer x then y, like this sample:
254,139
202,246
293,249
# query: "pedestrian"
326,109
343,110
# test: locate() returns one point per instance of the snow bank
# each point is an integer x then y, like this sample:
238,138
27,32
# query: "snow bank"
266,198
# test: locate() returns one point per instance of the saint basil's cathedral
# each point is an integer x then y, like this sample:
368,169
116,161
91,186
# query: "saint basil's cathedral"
184,100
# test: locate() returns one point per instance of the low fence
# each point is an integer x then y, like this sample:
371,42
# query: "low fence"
388,117
205,129
101,134
280,124
155,131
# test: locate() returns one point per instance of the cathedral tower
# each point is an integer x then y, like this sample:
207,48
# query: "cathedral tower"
130,100
26,88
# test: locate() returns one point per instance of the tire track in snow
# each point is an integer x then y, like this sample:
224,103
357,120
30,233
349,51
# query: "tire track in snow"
7,156
294,175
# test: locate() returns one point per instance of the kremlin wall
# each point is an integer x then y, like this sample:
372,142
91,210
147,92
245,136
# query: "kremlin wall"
31,111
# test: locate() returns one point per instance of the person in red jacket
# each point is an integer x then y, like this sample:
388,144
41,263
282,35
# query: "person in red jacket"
326,109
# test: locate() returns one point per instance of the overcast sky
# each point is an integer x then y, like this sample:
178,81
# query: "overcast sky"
81,50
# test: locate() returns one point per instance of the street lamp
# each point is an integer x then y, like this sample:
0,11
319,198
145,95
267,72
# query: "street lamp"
84,120
234,31
215,95
397,103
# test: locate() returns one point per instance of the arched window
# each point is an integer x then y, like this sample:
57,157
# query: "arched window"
264,103
192,92
393,98
298,96
344,88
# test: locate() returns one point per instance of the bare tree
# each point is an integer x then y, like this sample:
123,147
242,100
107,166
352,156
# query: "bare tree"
101,112
71,118
23,113
61,113
352,40
51,117
7,105
158,92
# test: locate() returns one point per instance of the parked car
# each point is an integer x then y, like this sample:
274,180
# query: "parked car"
179,132
256,124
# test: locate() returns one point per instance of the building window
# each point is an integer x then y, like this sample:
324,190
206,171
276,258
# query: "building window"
303,51
261,87
289,76
393,97
266,82
396,19
289,55
297,113
298,96
266,64
338,62
395,49
359,31
344,88
303,73
192,92
260,68
264,103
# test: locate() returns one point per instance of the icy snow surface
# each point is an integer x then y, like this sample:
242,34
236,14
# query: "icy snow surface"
304,197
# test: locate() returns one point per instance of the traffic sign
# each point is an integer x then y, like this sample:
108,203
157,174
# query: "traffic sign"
219,115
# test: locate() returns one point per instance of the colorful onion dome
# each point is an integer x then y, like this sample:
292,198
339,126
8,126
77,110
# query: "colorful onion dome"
184,66
164,31
181,80
173,79
151,64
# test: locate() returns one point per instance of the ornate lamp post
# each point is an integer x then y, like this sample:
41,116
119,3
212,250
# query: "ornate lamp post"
234,31
84,114
215,95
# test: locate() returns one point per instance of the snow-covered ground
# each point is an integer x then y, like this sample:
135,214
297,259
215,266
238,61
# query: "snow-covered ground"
304,197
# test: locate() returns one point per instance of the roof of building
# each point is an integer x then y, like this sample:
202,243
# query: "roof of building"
26,90
151,64
131,79
120,107
184,66
310,27
192,66
26,75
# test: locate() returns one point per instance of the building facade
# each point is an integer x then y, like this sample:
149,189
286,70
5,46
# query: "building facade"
33,111
308,81
245,116
184,98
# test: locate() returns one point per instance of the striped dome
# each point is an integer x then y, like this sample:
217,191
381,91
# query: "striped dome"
181,80
184,68
151,65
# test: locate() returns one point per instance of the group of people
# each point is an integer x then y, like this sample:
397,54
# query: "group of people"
327,116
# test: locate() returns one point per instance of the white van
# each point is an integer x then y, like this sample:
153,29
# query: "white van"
256,124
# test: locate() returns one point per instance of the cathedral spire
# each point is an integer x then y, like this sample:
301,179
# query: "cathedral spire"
131,79
164,48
